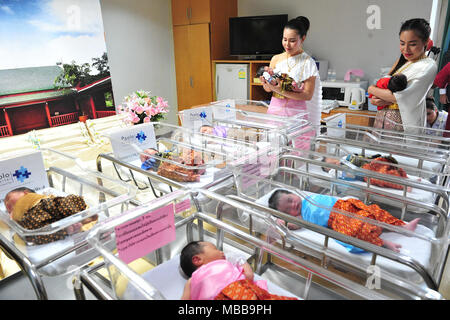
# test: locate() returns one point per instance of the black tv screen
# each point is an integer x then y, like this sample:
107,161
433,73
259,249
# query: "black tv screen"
258,35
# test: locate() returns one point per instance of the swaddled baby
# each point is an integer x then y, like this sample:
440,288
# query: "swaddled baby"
182,173
33,211
241,134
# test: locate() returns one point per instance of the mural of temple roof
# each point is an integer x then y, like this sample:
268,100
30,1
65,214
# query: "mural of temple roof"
35,96
29,84
22,80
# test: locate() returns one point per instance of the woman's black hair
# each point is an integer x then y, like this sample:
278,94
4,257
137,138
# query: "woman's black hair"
421,28
300,25
191,249
275,198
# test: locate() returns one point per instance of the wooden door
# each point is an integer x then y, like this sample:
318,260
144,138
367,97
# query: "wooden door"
200,64
200,11
190,12
180,12
181,52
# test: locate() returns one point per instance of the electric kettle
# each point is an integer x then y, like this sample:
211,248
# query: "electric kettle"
357,98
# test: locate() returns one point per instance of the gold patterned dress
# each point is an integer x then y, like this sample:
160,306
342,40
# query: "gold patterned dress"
34,211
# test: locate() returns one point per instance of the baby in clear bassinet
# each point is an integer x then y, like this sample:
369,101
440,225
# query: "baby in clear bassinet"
292,204
241,134
189,168
33,211
216,277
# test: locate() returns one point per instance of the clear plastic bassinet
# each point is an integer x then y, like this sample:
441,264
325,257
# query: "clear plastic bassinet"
121,278
57,174
419,263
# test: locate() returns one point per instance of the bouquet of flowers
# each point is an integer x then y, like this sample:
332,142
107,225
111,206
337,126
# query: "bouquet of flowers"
142,107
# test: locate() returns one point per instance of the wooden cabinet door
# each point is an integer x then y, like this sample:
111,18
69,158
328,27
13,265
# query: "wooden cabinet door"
182,62
192,65
180,12
190,12
200,11
200,64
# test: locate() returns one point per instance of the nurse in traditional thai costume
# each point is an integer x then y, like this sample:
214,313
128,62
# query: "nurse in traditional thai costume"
299,90
406,110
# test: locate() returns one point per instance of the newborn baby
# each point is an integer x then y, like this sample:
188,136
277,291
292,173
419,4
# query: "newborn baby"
218,131
309,210
33,211
241,134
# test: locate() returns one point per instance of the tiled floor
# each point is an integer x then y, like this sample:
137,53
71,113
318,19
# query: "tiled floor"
18,287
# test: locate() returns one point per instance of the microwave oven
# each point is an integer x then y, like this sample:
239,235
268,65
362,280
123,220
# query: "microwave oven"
340,90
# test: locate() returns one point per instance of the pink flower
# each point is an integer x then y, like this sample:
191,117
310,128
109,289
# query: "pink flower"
162,104
133,118
140,103
139,109
151,110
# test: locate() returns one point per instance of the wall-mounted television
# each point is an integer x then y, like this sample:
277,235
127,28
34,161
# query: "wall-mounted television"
257,36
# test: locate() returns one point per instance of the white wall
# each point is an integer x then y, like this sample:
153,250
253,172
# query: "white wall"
140,48
339,32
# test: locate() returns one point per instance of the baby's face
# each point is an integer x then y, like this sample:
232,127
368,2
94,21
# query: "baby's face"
206,130
333,161
11,199
290,204
431,116
211,253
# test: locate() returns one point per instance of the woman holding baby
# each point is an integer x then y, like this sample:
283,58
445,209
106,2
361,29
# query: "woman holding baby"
299,89
406,110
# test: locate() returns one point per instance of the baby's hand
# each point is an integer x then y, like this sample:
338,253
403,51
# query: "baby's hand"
74,228
248,272
391,245
290,226
297,87
145,155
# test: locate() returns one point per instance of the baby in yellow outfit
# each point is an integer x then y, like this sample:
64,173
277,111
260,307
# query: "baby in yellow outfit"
33,211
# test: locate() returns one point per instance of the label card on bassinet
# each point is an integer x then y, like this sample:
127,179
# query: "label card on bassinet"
24,171
197,117
337,122
143,235
128,143
225,110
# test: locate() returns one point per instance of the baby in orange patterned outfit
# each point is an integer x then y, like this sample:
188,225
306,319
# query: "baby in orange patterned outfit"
290,203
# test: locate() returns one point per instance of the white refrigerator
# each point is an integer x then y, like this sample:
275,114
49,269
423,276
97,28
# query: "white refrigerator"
232,81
